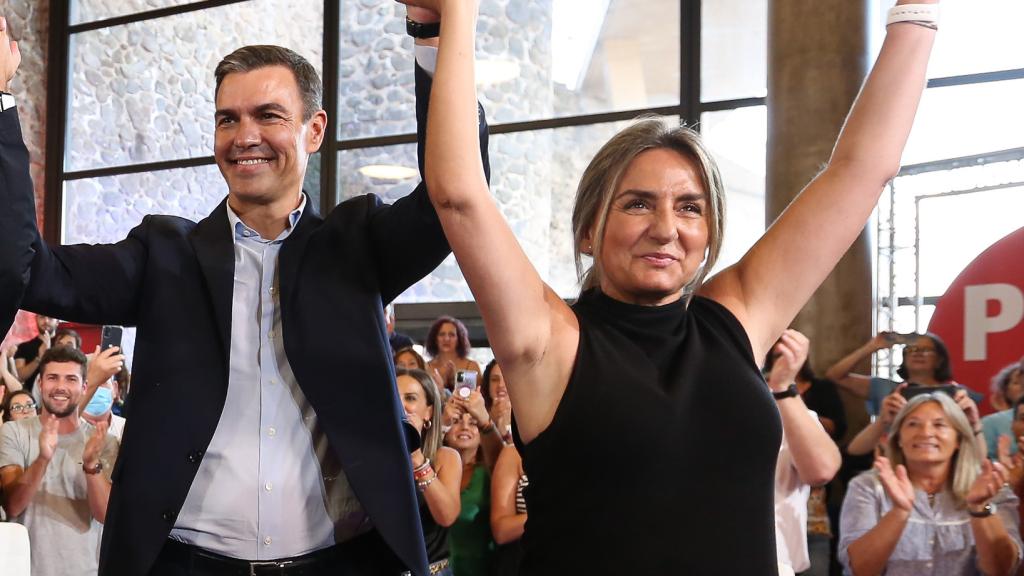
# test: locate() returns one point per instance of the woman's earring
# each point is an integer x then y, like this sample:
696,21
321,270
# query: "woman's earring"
426,424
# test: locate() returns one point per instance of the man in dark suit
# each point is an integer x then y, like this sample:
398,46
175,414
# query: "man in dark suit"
254,441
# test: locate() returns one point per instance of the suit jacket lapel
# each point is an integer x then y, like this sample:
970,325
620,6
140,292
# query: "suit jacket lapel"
215,252
291,253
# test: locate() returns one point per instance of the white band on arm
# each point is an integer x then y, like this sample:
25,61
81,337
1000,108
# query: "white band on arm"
923,14
426,57
6,101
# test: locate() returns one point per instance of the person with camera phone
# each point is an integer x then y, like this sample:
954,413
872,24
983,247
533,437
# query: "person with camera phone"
467,399
925,362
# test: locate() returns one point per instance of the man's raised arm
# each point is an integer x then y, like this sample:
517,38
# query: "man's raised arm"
17,204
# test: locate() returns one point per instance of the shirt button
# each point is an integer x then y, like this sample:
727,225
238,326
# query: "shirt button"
269,486
267,541
272,382
271,431
270,334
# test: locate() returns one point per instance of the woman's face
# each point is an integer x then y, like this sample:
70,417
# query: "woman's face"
927,435
921,356
1018,425
464,434
656,233
1014,387
414,400
406,360
22,406
497,384
447,338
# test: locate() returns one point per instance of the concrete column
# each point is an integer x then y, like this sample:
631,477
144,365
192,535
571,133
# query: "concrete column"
817,60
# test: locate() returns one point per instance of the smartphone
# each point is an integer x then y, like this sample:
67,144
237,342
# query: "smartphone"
917,389
895,338
110,336
465,382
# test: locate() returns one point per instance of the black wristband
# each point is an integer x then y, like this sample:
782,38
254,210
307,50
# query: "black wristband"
988,510
790,392
421,30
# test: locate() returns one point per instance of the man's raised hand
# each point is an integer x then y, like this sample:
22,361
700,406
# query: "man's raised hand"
10,56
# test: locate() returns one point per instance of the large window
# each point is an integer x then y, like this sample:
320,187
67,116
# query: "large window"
961,187
134,106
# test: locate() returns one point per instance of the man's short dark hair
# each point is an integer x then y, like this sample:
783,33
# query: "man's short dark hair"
63,354
249,58
64,332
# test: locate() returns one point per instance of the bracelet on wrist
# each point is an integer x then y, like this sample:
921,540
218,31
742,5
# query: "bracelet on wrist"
987,510
926,15
423,484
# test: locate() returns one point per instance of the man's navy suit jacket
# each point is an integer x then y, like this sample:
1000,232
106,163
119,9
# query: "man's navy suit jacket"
172,278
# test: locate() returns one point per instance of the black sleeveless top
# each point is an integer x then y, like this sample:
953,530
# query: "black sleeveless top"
661,455
435,536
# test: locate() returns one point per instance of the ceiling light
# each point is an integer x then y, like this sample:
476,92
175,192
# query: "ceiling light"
388,172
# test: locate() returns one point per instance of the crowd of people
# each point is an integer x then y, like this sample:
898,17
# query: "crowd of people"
943,495
627,404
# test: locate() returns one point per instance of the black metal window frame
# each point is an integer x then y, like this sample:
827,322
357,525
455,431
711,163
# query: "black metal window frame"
689,107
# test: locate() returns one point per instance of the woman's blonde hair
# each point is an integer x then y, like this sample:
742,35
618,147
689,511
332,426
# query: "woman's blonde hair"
966,462
601,179
431,436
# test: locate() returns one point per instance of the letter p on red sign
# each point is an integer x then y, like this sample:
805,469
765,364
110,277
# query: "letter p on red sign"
981,315
978,324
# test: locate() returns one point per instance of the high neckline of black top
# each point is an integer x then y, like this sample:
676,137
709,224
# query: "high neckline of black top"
598,299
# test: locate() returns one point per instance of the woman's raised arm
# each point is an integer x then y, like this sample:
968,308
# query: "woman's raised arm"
532,331
774,280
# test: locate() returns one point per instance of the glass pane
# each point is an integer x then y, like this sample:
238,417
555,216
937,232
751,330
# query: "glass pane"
535,59
103,210
91,10
734,49
975,36
737,140
943,255
143,92
966,120
534,178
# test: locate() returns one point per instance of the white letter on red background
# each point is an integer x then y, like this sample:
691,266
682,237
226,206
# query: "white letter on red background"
978,324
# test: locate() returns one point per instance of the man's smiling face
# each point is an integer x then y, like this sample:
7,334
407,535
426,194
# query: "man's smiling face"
261,142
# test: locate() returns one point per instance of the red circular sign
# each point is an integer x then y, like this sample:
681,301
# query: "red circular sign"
981,315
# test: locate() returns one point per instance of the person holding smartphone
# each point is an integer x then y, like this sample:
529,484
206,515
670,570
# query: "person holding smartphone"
30,352
448,346
925,366
925,362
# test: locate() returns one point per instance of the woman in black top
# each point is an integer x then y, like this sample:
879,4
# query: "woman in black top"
647,432
437,469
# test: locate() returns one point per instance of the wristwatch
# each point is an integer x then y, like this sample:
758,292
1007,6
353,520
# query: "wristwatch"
986,511
94,470
421,30
790,392
6,101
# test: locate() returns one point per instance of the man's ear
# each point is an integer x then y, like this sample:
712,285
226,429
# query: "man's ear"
316,128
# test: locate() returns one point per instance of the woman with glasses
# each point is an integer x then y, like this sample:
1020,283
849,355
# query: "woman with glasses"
925,363
933,504
19,405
